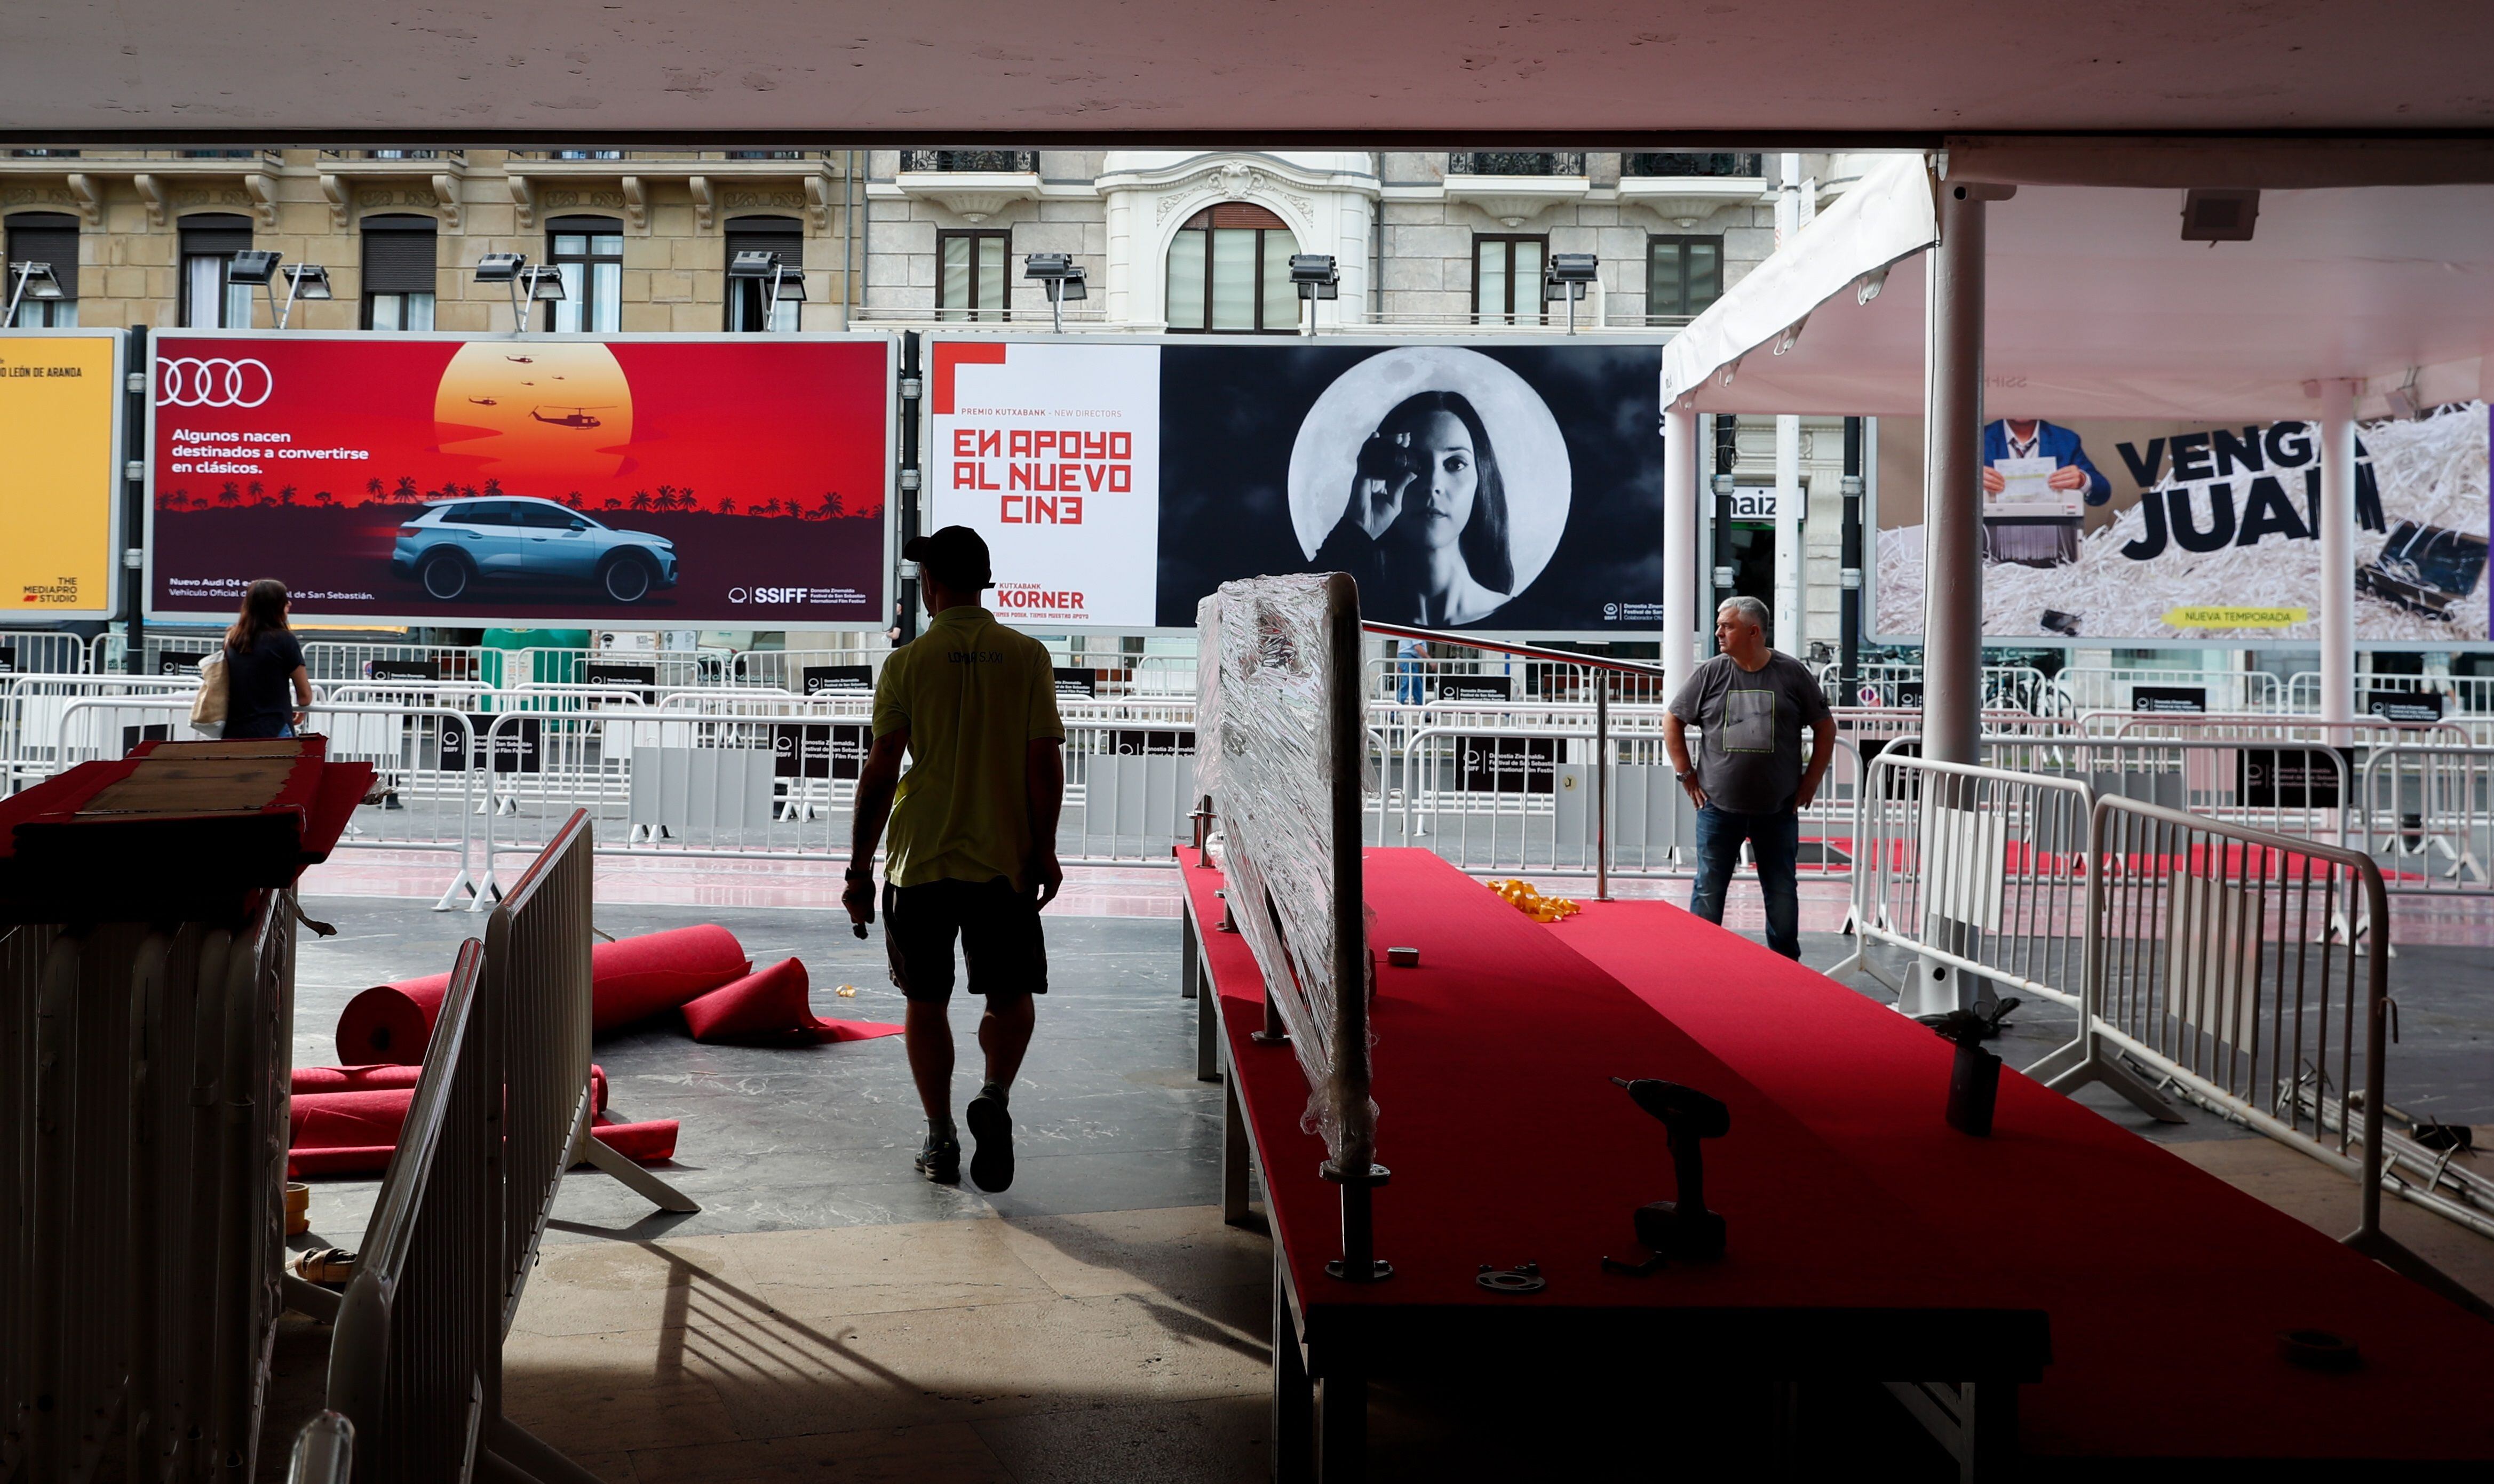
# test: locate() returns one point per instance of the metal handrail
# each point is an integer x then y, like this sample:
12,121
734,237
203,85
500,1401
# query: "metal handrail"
1512,647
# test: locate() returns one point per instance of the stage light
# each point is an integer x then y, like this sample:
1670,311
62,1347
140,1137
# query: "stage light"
253,265
30,281
499,267
1566,279
1063,277
303,281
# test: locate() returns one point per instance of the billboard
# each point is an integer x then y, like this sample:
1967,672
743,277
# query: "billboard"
661,481
1507,486
2142,531
60,475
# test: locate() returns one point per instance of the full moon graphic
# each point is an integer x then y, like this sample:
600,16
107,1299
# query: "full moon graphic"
536,415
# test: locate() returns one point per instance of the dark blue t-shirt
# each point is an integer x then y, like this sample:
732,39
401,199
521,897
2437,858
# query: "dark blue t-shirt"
260,685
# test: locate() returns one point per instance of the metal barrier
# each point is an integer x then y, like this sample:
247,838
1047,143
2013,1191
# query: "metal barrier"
2208,967
41,651
325,1451
1979,872
414,1330
2426,816
143,1076
2470,695
2370,731
2283,788
31,707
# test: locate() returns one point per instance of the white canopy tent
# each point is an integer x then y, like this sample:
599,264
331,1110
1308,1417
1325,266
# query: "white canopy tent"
2080,299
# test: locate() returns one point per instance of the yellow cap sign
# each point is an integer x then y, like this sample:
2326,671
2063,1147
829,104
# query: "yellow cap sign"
59,467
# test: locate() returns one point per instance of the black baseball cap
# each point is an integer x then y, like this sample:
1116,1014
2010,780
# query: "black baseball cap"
956,555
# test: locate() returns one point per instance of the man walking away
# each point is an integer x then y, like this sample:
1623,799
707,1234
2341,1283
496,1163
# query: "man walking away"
1750,704
973,847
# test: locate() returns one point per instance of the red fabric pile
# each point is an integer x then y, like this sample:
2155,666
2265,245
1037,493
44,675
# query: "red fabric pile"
345,1119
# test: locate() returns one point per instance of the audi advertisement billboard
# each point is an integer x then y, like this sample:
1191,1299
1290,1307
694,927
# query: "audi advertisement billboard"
674,481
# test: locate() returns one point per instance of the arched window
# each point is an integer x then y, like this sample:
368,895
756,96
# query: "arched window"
1229,273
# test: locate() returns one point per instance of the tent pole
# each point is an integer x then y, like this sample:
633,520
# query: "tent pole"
1679,553
1952,479
2337,550
1788,552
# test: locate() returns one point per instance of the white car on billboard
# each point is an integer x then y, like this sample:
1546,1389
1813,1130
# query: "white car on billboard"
455,545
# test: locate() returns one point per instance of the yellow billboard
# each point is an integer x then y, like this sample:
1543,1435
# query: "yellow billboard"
60,461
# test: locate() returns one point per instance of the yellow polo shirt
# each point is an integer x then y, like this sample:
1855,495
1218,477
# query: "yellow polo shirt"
974,695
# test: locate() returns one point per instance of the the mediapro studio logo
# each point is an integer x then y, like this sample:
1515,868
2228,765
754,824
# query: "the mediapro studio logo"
215,381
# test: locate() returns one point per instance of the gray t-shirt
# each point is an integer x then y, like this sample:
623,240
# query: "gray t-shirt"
1749,758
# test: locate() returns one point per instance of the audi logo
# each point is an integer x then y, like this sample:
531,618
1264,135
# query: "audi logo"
189,381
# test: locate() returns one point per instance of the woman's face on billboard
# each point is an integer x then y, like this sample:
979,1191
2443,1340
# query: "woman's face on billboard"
1439,504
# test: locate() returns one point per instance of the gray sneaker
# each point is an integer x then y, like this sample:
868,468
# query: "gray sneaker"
940,1160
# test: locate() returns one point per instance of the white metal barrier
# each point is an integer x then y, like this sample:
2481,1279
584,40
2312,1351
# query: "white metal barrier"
1980,872
2469,695
41,651
2426,816
2208,967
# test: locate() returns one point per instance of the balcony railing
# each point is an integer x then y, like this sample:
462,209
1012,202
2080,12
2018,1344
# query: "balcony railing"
1654,165
1517,161
42,154
766,154
989,162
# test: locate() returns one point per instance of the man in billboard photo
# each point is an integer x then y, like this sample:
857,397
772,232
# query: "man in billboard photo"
1424,530
973,850
1748,781
2030,453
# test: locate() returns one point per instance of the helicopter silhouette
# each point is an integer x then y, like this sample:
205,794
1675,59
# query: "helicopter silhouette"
577,417
484,402
524,360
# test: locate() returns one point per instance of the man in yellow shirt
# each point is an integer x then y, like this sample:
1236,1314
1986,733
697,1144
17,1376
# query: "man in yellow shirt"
973,848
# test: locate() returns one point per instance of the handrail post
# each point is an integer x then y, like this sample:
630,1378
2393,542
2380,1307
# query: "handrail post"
1602,787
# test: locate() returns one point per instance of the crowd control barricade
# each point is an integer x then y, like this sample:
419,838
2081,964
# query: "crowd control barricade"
537,1008
31,707
2426,816
350,660
2208,967
325,1451
1977,873
416,1324
2283,787
41,651
2250,726
2116,688
143,1087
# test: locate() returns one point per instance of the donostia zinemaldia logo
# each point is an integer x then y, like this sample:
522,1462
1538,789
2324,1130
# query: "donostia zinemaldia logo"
212,381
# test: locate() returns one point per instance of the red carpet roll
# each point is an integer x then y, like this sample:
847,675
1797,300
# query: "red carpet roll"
346,1120
772,1005
633,978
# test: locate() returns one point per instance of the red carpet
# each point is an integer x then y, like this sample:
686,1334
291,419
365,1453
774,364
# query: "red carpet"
2166,1288
346,1120
2119,1240
772,1005
632,979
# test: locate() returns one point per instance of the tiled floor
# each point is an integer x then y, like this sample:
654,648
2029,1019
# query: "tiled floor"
828,1316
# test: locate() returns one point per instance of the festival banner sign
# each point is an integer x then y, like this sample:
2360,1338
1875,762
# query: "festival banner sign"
60,475
1509,486
2148,531
661,481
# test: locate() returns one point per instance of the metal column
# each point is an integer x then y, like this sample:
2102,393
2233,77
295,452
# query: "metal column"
1679,543
2337,550
1788,614
1952,479
1848,647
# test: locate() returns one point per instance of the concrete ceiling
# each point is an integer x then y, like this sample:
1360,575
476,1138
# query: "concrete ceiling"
841,73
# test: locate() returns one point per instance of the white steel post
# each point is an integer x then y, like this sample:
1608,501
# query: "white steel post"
1680,551
1788,554
2337,550
1952,477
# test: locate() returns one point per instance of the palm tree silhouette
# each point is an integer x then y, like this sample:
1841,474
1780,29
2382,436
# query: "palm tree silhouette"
285,494
727,505
375,486
831,505
229,495
640,499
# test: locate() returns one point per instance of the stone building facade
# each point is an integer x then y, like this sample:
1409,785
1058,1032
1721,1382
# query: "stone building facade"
1169,242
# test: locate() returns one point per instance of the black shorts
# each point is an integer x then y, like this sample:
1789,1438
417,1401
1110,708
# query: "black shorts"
1000,931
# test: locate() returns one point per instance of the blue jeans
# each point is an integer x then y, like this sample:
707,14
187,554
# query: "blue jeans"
1776,841
1409,686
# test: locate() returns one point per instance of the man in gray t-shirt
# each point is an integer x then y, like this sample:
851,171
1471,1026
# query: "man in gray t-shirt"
1748,781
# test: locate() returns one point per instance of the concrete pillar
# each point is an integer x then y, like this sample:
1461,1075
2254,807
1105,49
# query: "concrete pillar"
1952,478
1680,552
2337,550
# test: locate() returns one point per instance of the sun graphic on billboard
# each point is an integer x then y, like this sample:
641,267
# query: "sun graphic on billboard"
535,413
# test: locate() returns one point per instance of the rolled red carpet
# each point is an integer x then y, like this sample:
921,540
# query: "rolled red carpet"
774,1004
633,978
346,1120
